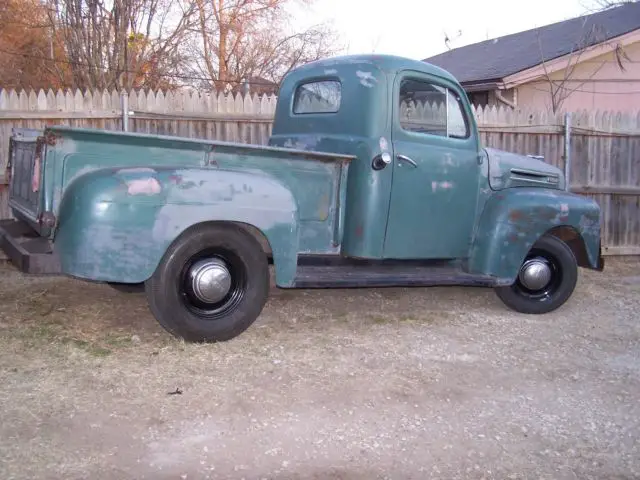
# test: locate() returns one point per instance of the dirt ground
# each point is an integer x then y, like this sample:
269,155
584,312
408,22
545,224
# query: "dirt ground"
395,383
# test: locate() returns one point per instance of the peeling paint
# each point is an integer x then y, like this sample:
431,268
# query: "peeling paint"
590,225
57,196
367,79
35,179
501,163
448,161
511,225
302,142
124,171
331,71
384,145
441,185
143,186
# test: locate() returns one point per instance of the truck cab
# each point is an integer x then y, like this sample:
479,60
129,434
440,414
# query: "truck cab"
374,176
418,150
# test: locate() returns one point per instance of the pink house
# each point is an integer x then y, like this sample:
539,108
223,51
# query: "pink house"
589,62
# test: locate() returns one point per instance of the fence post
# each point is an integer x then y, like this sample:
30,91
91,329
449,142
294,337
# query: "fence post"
124,99
567,151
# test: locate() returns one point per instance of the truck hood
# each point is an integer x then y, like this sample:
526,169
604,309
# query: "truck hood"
508,170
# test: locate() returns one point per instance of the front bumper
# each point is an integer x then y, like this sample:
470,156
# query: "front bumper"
27,250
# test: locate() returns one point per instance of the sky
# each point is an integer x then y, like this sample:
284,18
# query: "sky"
416,28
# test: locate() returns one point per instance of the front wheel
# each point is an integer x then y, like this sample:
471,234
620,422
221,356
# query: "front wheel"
211,284
546,278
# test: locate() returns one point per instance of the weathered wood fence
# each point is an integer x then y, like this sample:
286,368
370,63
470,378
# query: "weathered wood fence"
603,147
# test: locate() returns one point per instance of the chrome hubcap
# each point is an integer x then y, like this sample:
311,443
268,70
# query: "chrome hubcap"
535,274
210,280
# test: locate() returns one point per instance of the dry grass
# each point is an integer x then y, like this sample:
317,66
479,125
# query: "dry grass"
61,311
427,375
100,320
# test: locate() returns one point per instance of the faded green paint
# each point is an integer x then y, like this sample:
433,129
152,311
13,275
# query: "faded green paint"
509,170
442,188
356,129
481,207
361,127
115,225
515,218
292,197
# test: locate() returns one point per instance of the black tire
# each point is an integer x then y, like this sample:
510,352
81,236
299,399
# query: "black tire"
127,287
174,303
564,276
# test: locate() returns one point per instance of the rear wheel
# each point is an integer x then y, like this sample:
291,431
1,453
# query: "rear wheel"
546,278
211,284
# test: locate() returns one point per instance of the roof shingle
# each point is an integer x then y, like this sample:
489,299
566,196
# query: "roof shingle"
497,58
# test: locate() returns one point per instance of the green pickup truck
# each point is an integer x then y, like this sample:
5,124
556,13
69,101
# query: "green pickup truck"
374,176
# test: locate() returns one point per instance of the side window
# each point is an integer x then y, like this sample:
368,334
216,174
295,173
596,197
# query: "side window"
318,97
431,109
458,125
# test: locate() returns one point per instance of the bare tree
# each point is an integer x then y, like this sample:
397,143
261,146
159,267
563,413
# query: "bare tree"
561,84
122,43
239,40
27,46
605,4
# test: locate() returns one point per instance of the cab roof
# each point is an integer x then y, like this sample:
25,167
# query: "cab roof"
386,63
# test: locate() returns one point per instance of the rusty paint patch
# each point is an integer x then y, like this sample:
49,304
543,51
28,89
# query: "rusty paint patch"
516,215
50,138
545,212
359,231
209,160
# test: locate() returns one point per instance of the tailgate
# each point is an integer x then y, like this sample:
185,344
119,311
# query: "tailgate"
24,171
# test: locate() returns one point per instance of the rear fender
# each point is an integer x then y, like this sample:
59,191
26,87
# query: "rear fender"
514,219
116,224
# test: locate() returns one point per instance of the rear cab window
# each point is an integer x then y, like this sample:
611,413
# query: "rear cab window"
322,96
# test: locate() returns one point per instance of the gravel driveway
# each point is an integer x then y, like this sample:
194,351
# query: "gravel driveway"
394,383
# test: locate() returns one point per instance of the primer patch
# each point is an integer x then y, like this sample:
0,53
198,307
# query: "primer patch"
384,145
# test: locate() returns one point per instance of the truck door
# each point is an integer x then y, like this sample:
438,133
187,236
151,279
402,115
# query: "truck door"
436,171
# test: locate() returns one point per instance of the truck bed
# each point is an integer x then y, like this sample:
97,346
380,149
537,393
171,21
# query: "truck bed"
51,159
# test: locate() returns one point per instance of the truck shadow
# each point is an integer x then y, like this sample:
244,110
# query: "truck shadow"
54,308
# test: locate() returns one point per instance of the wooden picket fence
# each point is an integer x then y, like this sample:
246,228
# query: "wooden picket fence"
604,147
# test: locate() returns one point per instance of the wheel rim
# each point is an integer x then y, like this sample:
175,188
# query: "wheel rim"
540,276
212,283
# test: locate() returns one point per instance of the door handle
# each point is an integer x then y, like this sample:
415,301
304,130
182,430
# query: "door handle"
404,158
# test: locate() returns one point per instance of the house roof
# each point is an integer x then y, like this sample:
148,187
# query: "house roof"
492,60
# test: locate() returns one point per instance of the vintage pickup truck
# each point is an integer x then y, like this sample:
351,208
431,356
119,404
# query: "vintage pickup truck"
374,176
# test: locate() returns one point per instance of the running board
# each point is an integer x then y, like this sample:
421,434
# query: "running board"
367,276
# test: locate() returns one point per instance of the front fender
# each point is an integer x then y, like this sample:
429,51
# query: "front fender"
116,224
514,219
